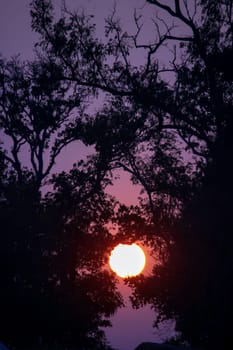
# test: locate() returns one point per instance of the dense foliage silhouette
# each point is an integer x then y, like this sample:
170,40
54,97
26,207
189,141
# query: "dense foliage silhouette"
54,245
174,139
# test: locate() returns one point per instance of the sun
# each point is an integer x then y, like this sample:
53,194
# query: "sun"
127,260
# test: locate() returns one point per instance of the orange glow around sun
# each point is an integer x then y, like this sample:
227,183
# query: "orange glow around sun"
127,260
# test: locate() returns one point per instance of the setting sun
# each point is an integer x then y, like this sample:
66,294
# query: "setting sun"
127,260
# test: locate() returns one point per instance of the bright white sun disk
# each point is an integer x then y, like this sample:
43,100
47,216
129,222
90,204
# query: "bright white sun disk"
127,260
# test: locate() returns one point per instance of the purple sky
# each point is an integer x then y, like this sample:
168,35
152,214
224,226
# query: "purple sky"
130,327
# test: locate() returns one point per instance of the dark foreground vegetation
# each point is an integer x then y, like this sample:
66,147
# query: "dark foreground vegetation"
174,139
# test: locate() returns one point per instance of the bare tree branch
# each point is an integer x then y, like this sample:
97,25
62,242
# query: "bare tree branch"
176,14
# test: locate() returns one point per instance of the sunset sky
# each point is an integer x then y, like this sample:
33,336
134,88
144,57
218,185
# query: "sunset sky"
130,327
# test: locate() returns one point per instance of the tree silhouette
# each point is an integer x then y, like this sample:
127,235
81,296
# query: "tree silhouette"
194,284
54,288
35,110
162,120
53,249
146,127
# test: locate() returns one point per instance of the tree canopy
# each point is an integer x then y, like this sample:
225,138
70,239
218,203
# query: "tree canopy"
174,139
55,288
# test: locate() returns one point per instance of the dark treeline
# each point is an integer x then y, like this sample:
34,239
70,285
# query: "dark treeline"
175,140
